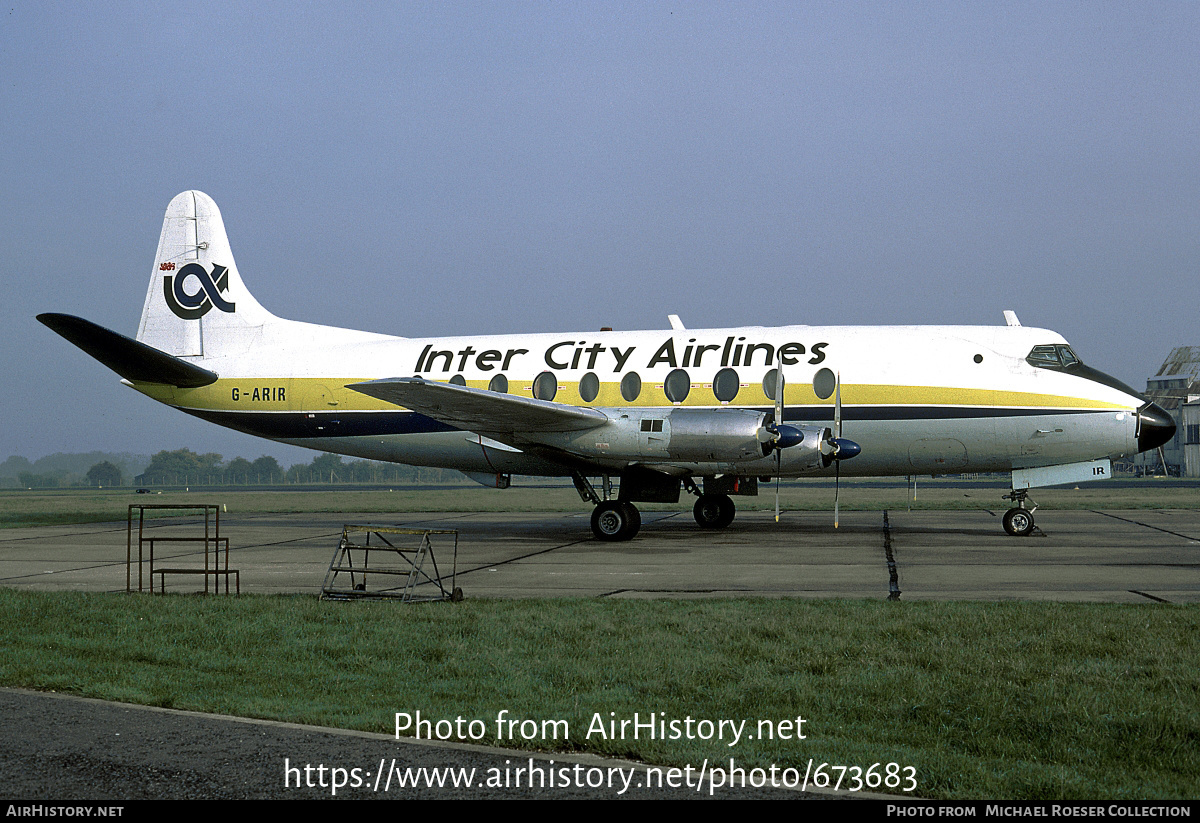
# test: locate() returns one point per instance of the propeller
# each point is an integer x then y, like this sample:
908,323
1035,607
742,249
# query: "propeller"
776,435
835,448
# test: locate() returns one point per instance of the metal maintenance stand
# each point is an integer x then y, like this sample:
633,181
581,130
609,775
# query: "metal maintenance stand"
411,566
216,562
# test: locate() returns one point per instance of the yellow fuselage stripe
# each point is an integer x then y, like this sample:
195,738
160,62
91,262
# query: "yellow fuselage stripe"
317,394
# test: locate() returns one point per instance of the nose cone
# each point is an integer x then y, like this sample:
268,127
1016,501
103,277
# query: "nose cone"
1155,427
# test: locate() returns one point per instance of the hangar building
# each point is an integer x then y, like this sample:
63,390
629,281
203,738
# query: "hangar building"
1176,387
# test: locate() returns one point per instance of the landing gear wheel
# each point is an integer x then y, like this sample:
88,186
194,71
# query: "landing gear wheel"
714,511
613,521
635,517
1018,522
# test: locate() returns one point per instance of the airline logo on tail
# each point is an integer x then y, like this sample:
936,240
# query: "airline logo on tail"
194,305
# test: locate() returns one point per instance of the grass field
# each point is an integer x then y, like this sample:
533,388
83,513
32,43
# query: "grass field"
984,700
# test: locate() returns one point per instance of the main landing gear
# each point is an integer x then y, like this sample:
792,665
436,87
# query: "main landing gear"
619,520
612,520
1018,521
714,511
615,520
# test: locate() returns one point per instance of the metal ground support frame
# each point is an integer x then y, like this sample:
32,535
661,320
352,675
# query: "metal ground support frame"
216,562
416,565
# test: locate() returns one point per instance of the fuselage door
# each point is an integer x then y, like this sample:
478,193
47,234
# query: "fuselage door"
654,435
320,406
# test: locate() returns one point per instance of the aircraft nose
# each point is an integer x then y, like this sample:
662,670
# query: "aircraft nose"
1155,427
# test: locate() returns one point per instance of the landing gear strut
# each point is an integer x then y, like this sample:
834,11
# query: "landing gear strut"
1018,521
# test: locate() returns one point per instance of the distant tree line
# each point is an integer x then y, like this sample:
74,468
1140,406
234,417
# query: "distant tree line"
32,480
71,469
183,467
102,474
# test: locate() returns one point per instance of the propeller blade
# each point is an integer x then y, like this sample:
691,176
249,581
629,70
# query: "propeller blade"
841,446
777,462
779,427
837,405
837,487
779,389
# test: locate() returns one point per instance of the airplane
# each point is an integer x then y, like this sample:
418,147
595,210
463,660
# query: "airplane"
710,411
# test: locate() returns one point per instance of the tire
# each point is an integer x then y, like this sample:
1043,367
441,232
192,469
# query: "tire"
614,522
714,511
1018,522
635,518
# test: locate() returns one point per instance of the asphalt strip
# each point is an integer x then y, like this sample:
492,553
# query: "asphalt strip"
58,747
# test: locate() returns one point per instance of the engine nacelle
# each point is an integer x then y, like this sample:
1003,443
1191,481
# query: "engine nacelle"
715,435
722,436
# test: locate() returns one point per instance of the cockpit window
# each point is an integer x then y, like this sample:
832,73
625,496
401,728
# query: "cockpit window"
1053,357
1061,358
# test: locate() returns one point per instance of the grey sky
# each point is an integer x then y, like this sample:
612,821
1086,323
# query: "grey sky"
456,168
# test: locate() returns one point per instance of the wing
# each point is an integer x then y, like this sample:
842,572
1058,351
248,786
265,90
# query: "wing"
480,410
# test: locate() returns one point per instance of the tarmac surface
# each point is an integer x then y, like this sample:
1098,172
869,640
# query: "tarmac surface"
1100,556
57,748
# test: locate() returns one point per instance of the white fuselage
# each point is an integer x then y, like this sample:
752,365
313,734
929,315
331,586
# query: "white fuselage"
917,399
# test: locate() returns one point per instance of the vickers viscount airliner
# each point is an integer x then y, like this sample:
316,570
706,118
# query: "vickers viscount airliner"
710,411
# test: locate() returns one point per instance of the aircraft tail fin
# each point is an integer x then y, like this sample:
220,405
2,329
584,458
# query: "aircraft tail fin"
197,304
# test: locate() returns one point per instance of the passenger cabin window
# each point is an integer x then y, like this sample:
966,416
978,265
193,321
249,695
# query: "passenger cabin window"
824,383
545,386
589,387
631,386
726,385
499,384
677,386
769,382
458,380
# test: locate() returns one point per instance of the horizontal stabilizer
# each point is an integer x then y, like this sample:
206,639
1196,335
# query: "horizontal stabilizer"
480,410
134,361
